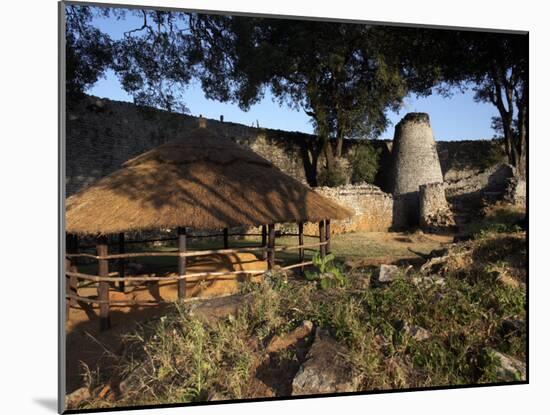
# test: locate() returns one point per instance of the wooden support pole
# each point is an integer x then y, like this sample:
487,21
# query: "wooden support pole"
301,240
70,266
327,238
264,241
182,247
74,248
121,261
322,236
70,287
103,286
271,246
225,238
70,246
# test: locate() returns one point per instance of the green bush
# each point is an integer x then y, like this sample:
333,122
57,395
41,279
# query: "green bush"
331,178
327,273
365,164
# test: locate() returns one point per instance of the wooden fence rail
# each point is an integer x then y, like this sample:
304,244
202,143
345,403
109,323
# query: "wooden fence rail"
268,249
175,238
97,278
195,253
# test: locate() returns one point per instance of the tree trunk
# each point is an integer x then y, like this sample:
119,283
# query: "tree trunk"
509,140
522,137
340,139
329,155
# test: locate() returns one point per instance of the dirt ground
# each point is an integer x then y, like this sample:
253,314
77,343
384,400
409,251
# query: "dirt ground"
88,349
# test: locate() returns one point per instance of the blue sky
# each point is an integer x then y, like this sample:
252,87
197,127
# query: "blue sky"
456,118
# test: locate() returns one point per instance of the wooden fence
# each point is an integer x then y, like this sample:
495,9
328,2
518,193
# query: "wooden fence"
267,249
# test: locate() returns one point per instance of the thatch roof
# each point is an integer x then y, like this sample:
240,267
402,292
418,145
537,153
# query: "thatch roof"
201,181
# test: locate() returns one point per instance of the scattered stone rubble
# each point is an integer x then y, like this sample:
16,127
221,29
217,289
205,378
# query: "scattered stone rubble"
324,370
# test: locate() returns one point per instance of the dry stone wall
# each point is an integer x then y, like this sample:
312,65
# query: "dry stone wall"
374,209
103,134
492,180
435,213
415,162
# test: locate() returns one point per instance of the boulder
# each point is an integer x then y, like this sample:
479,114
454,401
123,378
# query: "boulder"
509,368
387,273
74,399
325,370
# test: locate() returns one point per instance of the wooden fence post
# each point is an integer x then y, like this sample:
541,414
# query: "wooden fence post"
301,251
72,283
328,236
322,236
271,246
182,247
70,287
225,238
264,242
121,261
301,240
103,286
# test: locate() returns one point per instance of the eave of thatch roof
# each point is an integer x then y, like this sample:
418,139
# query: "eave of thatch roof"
200,181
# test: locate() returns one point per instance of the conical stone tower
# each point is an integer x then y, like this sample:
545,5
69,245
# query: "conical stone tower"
415,163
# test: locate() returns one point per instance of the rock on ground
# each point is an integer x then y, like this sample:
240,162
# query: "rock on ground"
325,370
428,280
74,399
387,273
509,368
416,332
278,343
220,307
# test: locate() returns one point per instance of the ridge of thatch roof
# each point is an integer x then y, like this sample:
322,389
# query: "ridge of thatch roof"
201,181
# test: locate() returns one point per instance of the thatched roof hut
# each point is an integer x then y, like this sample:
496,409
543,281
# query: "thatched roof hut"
200,181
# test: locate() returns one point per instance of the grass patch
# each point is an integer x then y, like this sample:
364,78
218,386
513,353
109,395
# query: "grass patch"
501,218
181,358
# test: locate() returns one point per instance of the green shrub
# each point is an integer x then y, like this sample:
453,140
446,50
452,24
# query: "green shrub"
365,164
328,273
331,178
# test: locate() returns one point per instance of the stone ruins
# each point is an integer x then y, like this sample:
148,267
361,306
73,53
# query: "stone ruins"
417,175
415,162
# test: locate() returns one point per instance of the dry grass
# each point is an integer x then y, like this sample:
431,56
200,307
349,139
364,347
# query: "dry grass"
184,359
